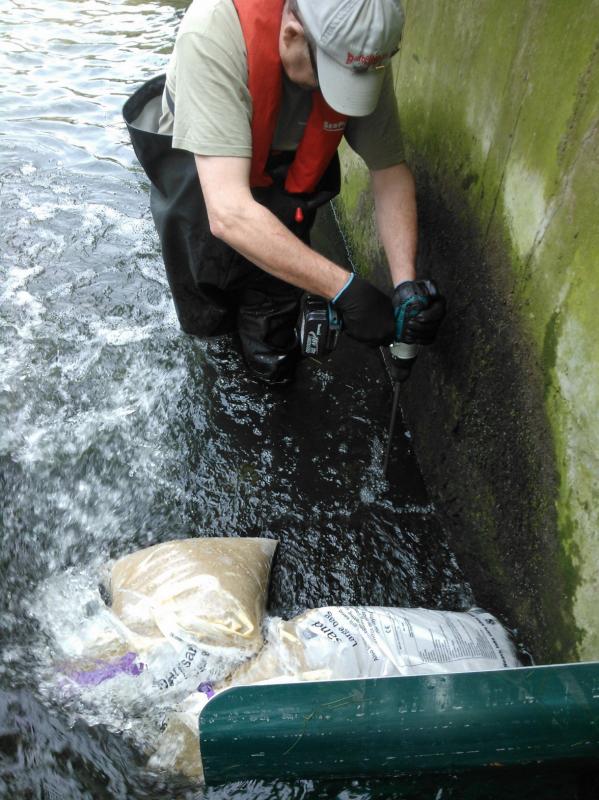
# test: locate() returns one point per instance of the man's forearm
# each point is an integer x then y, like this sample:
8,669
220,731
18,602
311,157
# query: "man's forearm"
395,204
257,234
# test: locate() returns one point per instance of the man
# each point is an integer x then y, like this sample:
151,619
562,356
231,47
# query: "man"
242,152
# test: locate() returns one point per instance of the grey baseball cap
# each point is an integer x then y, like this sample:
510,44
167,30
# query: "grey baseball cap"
355,40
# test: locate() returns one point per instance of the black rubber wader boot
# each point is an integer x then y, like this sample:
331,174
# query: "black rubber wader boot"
214,288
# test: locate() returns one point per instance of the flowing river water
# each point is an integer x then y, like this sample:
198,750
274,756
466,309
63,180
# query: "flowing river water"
118,431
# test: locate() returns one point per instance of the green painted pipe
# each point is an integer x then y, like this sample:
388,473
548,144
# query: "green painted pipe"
390,726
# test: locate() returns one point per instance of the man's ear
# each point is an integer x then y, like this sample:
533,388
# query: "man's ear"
292,30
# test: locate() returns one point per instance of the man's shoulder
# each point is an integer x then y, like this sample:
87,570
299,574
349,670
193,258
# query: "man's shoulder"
209,17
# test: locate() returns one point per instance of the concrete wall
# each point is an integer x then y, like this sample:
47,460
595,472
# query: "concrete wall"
499,101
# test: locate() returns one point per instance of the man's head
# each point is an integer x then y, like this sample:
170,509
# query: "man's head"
341,45
296,51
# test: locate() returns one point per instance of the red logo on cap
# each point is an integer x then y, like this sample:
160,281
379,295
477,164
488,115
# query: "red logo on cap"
365,59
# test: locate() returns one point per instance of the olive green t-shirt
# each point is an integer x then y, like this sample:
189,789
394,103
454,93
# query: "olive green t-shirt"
207,80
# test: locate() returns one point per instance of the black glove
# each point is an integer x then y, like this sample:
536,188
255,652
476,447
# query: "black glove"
366,313
419,310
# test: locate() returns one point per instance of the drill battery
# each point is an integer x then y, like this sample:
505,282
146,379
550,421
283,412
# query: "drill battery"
319,326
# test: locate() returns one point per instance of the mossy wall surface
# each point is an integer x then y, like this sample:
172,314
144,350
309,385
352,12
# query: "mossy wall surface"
499,102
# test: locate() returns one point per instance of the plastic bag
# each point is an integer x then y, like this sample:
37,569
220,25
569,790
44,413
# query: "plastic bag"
211,591
182,613
178,748
334,643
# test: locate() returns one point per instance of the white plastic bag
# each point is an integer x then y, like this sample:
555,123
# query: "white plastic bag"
334,643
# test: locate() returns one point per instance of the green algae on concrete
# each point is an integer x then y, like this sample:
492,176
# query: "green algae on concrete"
499,104
356,214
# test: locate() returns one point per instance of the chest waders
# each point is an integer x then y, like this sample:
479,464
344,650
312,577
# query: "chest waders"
215,289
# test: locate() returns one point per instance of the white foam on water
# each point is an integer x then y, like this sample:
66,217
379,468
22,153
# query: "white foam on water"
130,408
90,366
15,279
23,298
375,486
120,336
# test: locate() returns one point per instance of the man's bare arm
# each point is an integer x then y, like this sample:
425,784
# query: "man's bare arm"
395,204
252,230
395,200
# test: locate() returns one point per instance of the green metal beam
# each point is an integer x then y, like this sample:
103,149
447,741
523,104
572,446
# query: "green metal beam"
390,726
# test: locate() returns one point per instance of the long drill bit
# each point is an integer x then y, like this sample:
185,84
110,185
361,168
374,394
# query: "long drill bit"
394,408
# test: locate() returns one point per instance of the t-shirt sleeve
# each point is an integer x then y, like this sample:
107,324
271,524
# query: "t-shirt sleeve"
377,137
212,102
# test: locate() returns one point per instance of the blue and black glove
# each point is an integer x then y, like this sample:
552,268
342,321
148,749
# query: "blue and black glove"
366,313
419,310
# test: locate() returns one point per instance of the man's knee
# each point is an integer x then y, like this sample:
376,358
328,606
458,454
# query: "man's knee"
266,321
199,316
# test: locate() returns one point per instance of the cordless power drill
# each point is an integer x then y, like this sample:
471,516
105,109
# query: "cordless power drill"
320,326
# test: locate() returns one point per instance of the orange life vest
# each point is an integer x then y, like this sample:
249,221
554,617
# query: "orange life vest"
261,24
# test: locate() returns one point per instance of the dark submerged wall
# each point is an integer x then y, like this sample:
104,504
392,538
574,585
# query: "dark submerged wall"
500,112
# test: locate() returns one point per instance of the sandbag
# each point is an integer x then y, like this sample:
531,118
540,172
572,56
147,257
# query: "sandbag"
182,612
207,590
334,643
